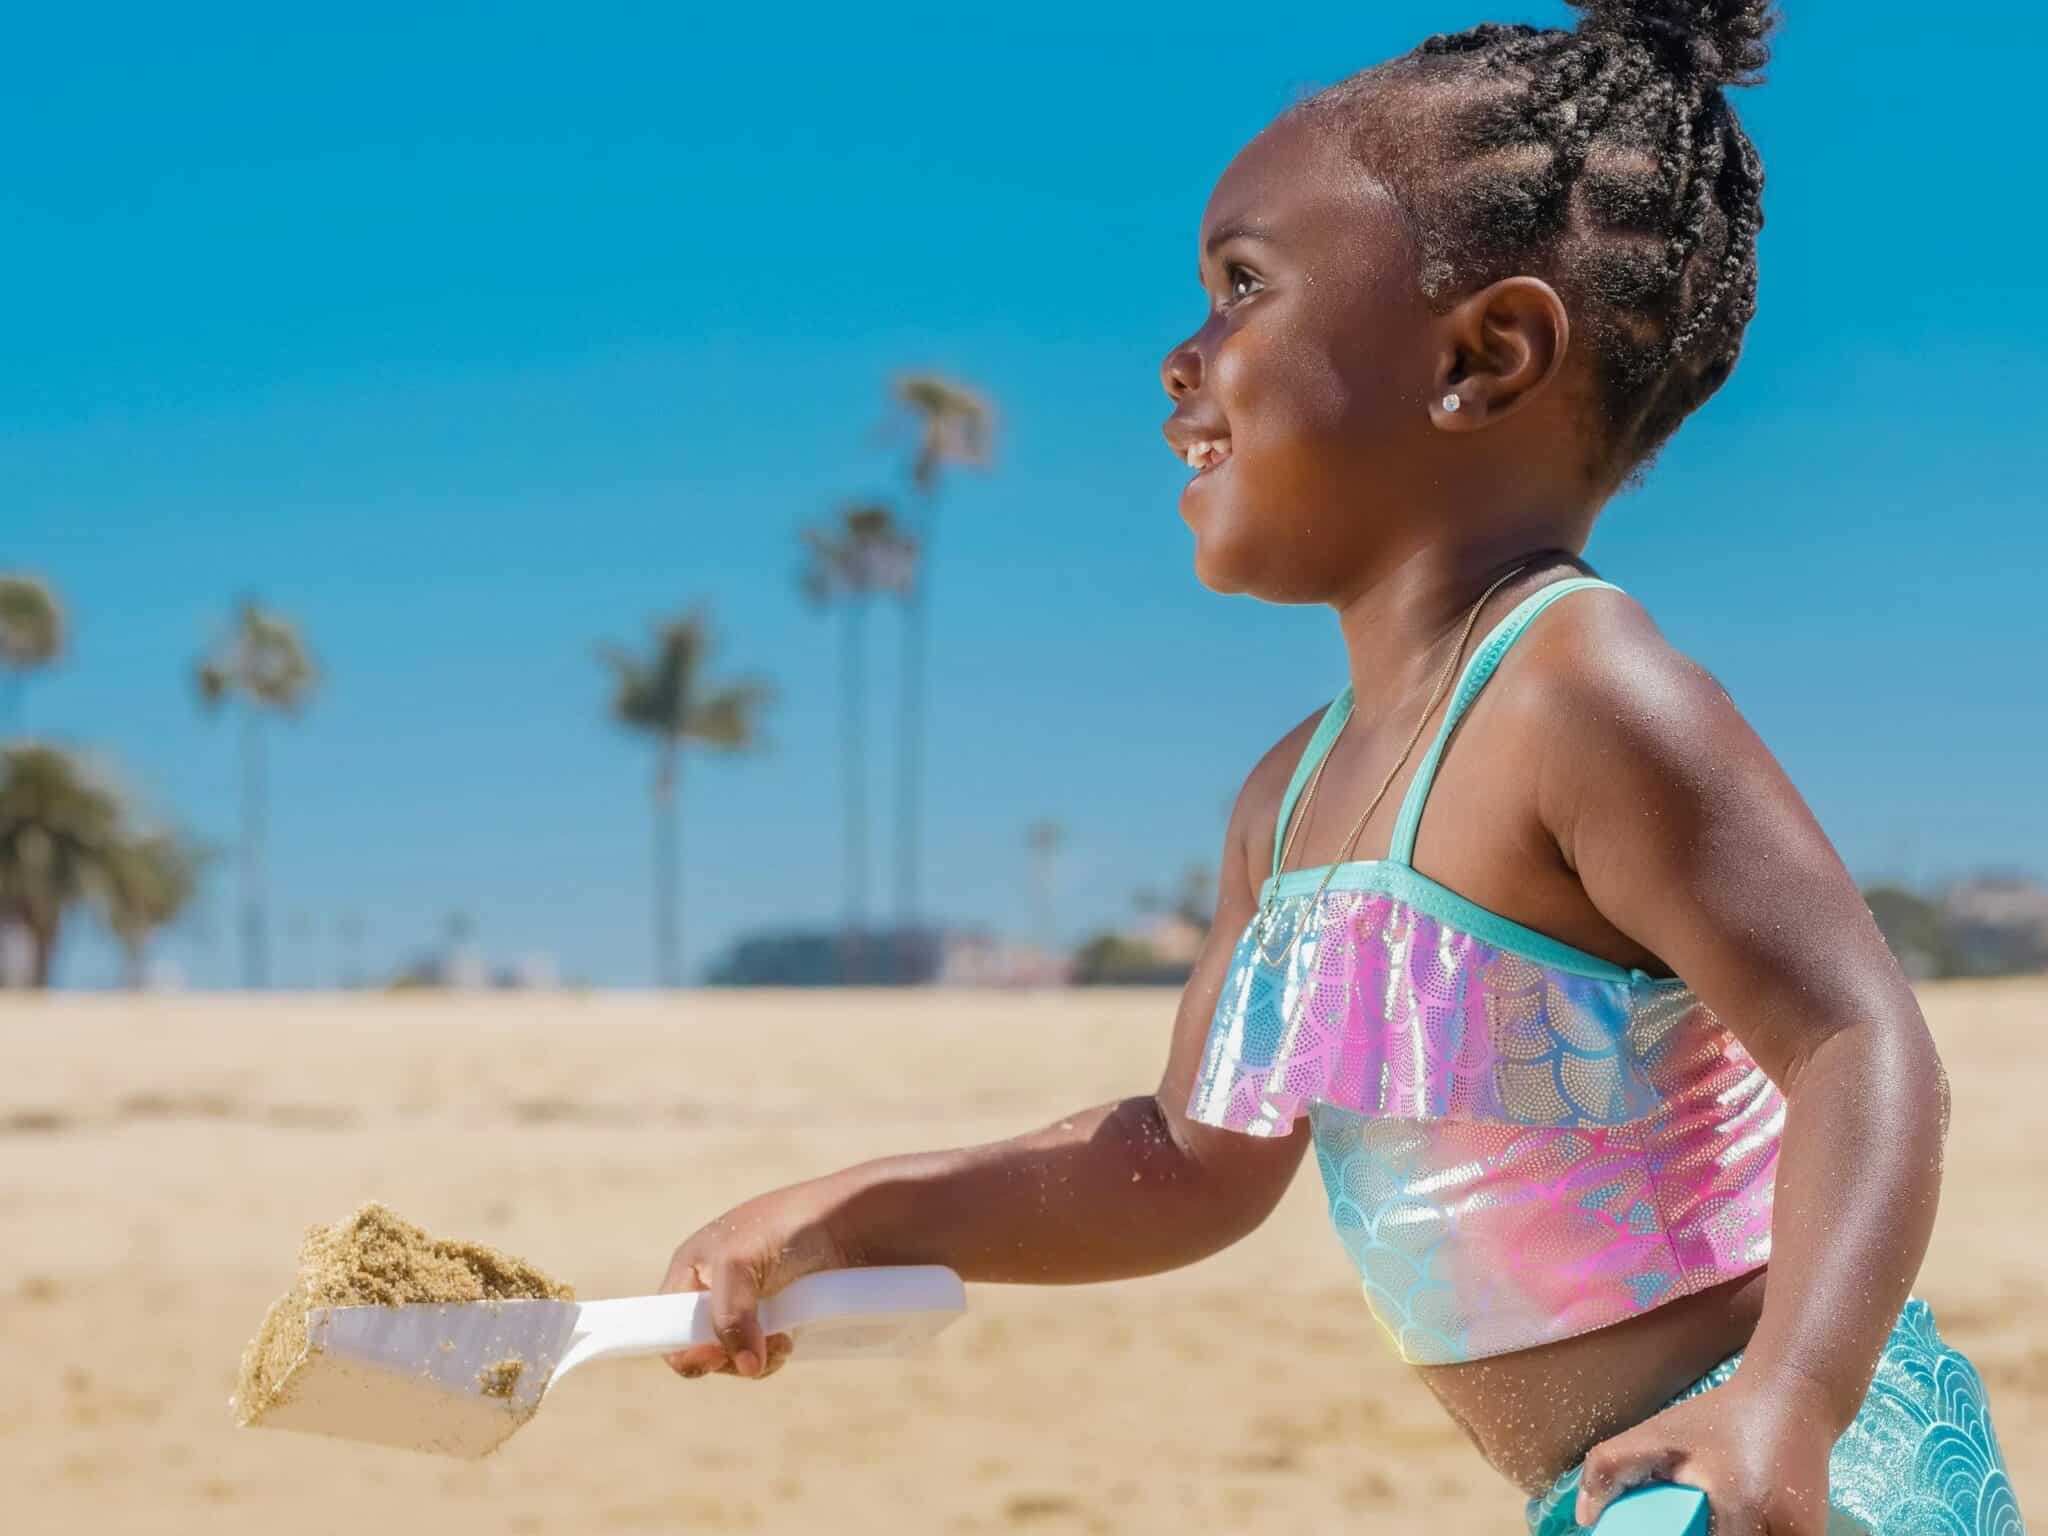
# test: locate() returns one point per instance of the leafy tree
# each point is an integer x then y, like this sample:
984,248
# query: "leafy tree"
60,832
150,880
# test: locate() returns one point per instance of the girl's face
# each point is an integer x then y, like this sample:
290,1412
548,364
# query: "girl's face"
1304,397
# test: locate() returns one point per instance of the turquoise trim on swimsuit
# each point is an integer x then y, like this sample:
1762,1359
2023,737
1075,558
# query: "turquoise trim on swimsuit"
1396,874
1326,731
1477,671
1410,886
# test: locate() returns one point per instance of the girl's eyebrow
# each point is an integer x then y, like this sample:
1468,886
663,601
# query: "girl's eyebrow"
1235,229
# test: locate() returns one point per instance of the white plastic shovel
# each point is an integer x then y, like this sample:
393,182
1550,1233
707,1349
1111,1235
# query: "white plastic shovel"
460,1378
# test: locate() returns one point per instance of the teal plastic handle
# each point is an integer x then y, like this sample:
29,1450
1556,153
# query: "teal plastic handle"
1660,1509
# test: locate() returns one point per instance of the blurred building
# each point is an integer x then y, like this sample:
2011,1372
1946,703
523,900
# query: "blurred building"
905,957
462,967
1999,923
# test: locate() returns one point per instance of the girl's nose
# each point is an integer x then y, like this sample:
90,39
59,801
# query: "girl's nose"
1181,373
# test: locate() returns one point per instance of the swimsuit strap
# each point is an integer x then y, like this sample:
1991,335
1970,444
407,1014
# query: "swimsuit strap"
1477,671
1318,744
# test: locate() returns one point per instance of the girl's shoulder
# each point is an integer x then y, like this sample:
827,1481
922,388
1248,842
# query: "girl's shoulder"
1613,723
1596,668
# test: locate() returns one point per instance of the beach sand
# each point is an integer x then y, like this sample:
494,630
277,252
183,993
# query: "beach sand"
160,1159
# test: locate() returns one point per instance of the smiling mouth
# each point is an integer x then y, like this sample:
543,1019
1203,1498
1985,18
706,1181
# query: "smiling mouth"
1209,454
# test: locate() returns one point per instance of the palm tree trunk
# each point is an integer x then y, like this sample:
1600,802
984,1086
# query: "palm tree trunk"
255,960
133,956
42,940
911,747
667,859
853,721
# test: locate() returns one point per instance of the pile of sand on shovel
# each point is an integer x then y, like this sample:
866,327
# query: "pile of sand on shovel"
376,1259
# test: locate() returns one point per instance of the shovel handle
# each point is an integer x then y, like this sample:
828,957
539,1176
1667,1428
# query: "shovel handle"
1657,1509
838,1313
645,1325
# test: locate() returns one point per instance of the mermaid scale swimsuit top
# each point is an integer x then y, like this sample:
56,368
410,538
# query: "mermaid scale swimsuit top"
1520,1141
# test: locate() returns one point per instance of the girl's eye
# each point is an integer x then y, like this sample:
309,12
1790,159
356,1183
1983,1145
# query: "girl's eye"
1243,281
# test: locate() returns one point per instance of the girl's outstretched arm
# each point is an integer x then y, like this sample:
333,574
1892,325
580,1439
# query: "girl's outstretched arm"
1689,838
1122,1189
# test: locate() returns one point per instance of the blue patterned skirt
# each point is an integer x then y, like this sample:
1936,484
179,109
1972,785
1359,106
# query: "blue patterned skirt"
1921,1458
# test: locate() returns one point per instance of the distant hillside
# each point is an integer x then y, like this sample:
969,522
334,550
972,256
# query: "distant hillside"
1988,925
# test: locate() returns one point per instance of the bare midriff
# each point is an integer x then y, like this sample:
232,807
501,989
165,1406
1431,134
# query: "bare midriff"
1534,1413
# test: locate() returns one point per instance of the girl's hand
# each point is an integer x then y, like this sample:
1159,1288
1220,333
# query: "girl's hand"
751,1252
1758,1451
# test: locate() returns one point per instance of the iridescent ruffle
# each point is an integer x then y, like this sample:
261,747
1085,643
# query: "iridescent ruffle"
1514,1151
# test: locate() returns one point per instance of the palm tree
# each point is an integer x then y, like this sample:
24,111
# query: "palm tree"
954,425
865,554
31,634
59,829
1044,838
667,695
150,881
265,662
349,927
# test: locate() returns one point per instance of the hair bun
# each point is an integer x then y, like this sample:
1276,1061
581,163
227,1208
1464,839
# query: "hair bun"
1718,42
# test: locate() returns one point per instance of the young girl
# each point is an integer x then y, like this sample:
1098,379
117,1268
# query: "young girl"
1625,1113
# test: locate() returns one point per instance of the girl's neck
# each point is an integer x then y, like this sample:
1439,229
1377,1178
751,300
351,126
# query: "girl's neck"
1400,623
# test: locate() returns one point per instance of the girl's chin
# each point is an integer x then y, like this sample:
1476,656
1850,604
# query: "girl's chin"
1219,566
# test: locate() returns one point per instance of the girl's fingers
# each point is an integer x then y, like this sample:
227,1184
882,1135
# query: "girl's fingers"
736,1319
712,1360
1614,1466
684,1274
697,1360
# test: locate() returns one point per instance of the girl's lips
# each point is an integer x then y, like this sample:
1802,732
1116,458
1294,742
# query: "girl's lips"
1198,482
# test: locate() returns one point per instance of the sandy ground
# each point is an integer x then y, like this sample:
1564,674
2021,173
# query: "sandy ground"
158,1159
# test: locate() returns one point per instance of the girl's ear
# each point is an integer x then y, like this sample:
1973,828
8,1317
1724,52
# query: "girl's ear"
1501,347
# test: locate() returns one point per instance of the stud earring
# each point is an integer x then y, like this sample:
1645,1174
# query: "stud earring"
1452,402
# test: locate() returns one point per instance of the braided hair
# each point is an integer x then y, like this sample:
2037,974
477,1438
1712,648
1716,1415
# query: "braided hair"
1606,160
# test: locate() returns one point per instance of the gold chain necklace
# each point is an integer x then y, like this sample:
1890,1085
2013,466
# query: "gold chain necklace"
1263,920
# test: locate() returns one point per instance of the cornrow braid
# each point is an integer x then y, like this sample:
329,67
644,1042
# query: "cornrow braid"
1606,160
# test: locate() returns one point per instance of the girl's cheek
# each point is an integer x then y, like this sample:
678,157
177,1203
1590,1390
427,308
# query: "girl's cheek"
1238,362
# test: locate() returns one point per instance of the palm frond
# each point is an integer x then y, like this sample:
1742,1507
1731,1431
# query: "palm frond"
956,424
31,621
213,681
731,720
632,692
60,823
263,658
664,692
150,880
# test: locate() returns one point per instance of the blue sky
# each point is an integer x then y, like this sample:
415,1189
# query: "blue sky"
473,338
